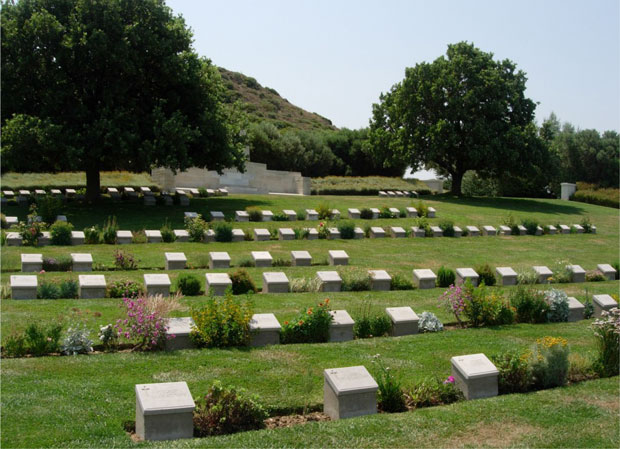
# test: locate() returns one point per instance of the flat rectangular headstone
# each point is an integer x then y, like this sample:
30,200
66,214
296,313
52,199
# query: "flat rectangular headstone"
380,280
397,232
11,221
489,230
543,273
216,215
475,376
290,214
164,411
241,215
375,212
404,321
267,215
23,287
157,284
275,282
191,215
8,193
218,283
507,275
458,232
40,192
209,235
124,237
431,212
77,237
333,233
602,303
354,214
312,214
412,212
575,310
358,233
578,228
181,235
261,234
338,257
335,214
313,234
552,230
391,193
395,212
608,271
56,192
82,261
13,239
286,234
349,392
264,329
424,278
238,235
153,235
330,281
564,229
32,262
437,231
219,259
473,231
181,328
505,230
382,193
262,258
463,274
578,274
92,286
377,232
341,326
418,232
301,258
175,261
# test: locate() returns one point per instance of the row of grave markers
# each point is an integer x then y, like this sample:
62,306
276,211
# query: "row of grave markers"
312,214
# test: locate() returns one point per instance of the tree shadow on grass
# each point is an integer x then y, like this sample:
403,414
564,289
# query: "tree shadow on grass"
514,204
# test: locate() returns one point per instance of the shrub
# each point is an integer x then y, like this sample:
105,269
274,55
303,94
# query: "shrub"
48,207
322,230
512,224
347,230
355,281
167,233
48,290
108,336
30,233
432,392
3,223
384,212
254,213
69,289
445,277
527,277
549,362
41,341
145,322
369,325
402,213
325,211
92,235
530,305
242,283
196,228
616,266
223,232
588,307
222,322
109,231
447,227
188,284
487,309
422,209
515,374
202,192
454,300
14,345
60,233
595,276
310,326
124,260
607,334
390,398
400,282
226,410
486,274
280,262
561,273
586,224
304,285
125,289
530,225
423,224
429,323
587,193
62,263
139,237
279,216
366,213
246,262
558,306
77,340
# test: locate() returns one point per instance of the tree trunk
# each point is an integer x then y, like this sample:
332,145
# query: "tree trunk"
457,180
93,185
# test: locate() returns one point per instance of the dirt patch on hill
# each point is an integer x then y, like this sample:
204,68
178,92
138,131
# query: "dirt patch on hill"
497,434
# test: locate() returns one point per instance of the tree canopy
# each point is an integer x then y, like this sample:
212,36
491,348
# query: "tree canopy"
92,85
461,112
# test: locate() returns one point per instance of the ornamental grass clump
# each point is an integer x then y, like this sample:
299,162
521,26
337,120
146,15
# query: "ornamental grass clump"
305,285
400,282
558,305
145,321
254,213
607,333
390,397
445,277
225,409
549,362
167,233
355,280
447,228
92,235
347,230
369,324
324,211
223,232
109,231
432,392
222,322
310,326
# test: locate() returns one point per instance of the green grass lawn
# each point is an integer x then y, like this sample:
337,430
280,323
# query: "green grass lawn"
82,401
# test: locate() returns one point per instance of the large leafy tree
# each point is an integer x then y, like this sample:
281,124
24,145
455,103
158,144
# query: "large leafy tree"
92,85
461,112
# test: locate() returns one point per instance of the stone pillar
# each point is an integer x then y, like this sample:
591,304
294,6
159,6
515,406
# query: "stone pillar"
568,189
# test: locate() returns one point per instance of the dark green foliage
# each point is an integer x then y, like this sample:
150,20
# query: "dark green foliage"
346,229
189,284
279,216
324,211
616,266
246,262
310,326
355,281
109,231
92,235
445,277
486,274
63,263
48,207
254,214
167,233
390,397
222,322
69,289
41,341
366,213
225,410
124,289
432,392
369,324
530,304
14,346
447,227
48,290
531,225
384,212
400,282
515,375
60,233
242,282
223,232
280,262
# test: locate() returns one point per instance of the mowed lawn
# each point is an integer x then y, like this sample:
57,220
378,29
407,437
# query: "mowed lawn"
82,401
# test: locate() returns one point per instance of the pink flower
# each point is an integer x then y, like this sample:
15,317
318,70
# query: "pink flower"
449,380
42,271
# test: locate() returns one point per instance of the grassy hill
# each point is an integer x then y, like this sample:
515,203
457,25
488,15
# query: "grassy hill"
266,104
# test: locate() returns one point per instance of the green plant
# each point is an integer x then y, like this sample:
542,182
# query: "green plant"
561,272
223,232
422,209
432,392
202,192
310,326
586,224
400,282
279,216
515,374
580,368
280,262
110,227
246,262
588,307
14,345
188,284
530,225
369,324
139,236
31,232
390,397
384,212
125,289
48,207
48,290
487,309
242,283
68,289
486,274
255,214
595,276
92,235
77,340
41,341
3,222
325,211
346,229
366,213
549,362
322,231
607,334
62,263
558,305
225,410
125,260
512,224
196,228
429,323
108,336
167,233
303,285
530,305
616,266
527,277
222,322
445,277
355,280
60,233
447,227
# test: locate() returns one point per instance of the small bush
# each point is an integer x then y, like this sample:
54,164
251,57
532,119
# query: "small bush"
279,216
223,232
280,262
125,289
530,305
188,284
310,326
246,262
422,209
432,392
355,281
225,410
254,213
486,274
196,228
447,227
400,282
588,307
366,213
322,231
48,207
549,362
558,306
530,225
561,273
429,323
595,276
384,212
586,224
139,237
487,309
48,290
242,283
325,211
62,263
69,289
14,345
445,277
607,334
77,340
202,192
347,230
92,235
527,277
167,233
390,397
514,372
368,324
222,322
60,233
109,231
124,260
305,285
41,341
